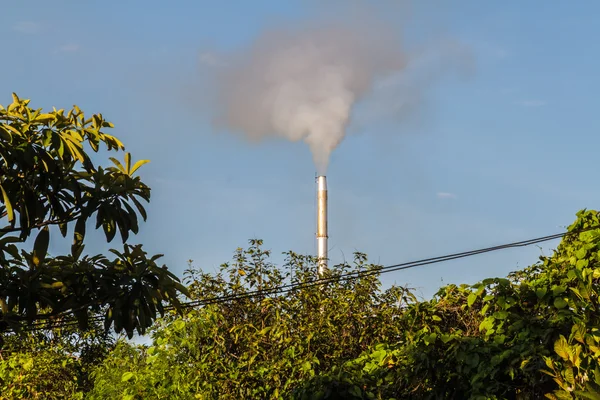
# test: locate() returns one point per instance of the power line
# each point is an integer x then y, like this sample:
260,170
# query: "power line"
278,290
352,275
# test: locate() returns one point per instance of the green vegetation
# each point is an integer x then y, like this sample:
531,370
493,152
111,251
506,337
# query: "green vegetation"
48,180
532,334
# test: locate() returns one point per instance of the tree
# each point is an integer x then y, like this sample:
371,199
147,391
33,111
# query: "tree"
50,185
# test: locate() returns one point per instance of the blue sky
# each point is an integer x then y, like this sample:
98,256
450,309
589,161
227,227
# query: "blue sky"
505,152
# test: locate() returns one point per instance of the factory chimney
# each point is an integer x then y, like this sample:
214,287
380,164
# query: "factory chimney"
321,224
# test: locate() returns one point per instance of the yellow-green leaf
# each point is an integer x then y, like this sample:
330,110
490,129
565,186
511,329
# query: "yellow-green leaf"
12,129
471,299
126,376
541,292
118,164
44,117
569,376
559,302
561,347
127,162
137,165
9,209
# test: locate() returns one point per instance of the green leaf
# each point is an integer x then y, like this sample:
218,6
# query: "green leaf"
12,129
126,376
140,208
118,164
473,360
306,366
503,282
44,118
4,134
485,309
561,347
127,162
501,314
63,229
179,324
137,165
471,299
563,395
541,292
578,332
8,205
40,247
79,234
487,324
559,303
591,393
556,290
569,375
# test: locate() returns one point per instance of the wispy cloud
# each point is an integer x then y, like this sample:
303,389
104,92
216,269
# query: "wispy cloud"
446,195
531,103
27,27
69,48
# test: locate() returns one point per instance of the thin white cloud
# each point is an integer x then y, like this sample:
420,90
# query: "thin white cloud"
531,103
69,48
27,27
446,195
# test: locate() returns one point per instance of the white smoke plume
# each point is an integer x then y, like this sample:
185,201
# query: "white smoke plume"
303,83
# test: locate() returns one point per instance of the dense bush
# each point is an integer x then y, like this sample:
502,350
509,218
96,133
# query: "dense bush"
259,347
52,364
535,333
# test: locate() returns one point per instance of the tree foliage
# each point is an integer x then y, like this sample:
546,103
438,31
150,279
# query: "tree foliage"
53,364
256,347
48,180
530,335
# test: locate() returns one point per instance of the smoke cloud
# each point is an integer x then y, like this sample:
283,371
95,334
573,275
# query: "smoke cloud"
302,84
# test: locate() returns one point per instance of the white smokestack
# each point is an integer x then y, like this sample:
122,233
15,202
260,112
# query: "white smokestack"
322,224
